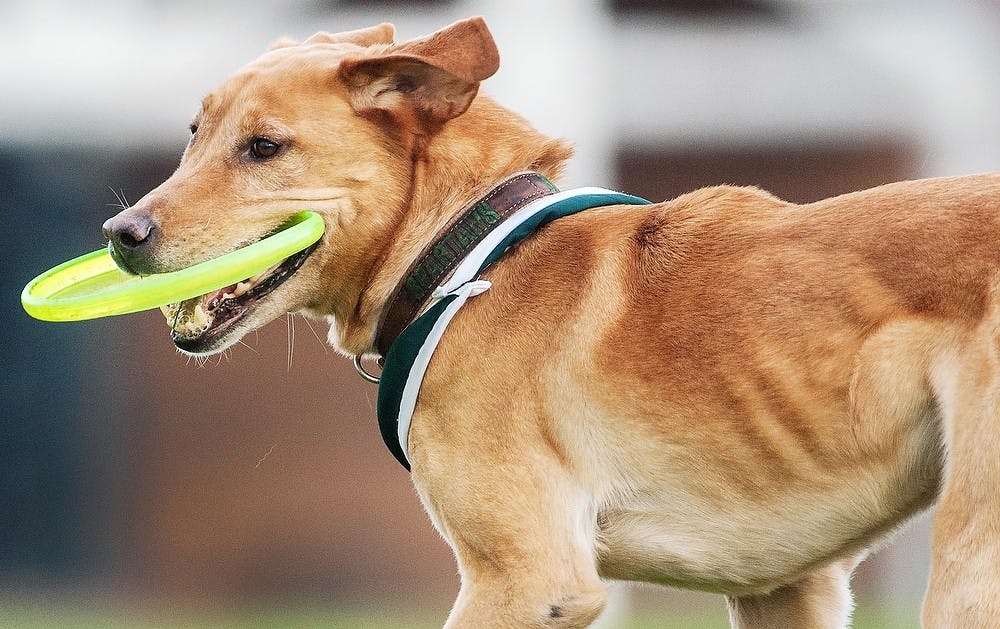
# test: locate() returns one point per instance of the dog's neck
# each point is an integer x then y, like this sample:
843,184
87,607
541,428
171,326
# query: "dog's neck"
468,157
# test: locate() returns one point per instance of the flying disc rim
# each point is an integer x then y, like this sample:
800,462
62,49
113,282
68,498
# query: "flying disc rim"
45,297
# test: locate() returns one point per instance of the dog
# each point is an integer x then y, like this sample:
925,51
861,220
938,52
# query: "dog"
725,391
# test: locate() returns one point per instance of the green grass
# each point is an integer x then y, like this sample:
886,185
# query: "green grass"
864,618
59,617
37,615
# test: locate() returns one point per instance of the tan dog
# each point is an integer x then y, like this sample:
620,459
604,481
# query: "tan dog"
724,392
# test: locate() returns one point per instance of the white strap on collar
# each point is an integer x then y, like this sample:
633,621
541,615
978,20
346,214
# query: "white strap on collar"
463,284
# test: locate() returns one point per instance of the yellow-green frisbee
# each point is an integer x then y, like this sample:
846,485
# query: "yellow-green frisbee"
93,286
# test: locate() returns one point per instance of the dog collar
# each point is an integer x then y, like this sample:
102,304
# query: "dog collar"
441,257
408,356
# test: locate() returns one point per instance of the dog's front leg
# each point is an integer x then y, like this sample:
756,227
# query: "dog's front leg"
525,600
819,600
522,531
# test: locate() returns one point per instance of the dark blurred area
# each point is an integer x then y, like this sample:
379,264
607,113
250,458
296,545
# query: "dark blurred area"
125,466
62,475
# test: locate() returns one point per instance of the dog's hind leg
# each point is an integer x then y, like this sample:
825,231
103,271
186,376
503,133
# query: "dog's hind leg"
964,585
820,599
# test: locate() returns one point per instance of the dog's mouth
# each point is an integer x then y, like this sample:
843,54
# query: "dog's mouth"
198,325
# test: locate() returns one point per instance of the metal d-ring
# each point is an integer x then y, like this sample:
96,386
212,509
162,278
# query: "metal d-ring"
362,372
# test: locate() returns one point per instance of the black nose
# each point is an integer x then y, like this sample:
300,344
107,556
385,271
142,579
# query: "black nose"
130,230
130,235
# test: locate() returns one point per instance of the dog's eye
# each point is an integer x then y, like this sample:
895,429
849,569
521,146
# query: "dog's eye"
262,148
194,128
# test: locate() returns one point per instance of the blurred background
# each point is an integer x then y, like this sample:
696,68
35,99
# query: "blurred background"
139,488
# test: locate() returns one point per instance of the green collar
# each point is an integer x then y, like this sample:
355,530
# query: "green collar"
407,358
440,258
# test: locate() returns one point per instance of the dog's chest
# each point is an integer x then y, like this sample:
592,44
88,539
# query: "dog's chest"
686,544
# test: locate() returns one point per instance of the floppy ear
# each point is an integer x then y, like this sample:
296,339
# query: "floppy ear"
424,82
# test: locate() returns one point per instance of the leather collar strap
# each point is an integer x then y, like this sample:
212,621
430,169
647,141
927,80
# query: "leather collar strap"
439,259
411,353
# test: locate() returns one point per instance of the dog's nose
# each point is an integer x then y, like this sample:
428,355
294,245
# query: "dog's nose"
130,235
130,230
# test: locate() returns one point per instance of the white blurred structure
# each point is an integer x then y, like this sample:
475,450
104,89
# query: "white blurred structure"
127,73
130,74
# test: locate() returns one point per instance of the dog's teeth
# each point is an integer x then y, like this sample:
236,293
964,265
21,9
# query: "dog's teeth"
200,316
188,321
169,311
193,320
257,278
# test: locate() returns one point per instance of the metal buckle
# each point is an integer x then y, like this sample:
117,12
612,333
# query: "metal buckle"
364,373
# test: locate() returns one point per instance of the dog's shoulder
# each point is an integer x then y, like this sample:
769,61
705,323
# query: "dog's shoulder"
717,210
716,199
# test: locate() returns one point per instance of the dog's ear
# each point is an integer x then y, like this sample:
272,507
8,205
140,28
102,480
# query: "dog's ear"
424,82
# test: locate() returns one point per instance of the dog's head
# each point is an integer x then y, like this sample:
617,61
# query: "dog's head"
329,125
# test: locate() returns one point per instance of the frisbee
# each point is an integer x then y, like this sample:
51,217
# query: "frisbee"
93,286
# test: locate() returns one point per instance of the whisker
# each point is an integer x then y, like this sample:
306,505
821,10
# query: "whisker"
244,344
290,321
309,324
121,200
